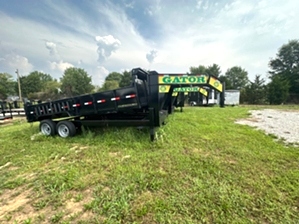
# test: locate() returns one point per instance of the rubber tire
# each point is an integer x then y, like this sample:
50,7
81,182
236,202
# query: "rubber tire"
49,124
67,126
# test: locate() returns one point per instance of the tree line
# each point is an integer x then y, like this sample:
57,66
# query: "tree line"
282,88
74,81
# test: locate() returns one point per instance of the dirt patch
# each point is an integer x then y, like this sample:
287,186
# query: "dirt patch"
24,213
14,201
6,122
12,121
18,205
74,207
76,203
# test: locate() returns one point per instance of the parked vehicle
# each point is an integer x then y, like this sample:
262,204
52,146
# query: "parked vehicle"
5,110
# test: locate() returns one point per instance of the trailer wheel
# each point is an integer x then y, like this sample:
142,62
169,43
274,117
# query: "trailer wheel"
66,129
47,127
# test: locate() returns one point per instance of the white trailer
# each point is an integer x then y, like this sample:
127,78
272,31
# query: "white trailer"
232,97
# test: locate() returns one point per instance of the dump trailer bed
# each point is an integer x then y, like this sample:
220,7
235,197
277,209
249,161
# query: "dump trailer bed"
114,101
134,105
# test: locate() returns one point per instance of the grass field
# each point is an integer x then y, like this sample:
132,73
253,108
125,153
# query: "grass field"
203,168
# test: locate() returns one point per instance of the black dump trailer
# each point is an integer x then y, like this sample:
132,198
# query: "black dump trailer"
146,102
136,105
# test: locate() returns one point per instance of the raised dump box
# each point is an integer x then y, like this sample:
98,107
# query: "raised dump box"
143,103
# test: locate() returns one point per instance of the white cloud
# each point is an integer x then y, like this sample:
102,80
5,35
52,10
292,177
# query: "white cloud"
151,56
198,4
154,8
99,75
35,38
60,66
106,45
74,48
130,5
245,33
12,61
51,47
102,70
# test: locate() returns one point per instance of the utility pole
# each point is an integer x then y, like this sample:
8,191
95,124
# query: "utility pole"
19,84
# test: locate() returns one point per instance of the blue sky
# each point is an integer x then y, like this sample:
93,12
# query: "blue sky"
168,36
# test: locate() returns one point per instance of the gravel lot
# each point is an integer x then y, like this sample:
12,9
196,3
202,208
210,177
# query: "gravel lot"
281,123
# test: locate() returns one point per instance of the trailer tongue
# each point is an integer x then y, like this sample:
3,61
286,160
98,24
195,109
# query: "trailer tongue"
140,104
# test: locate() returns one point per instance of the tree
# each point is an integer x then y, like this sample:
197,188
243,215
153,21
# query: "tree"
213,70
111,81
115,80
126,79
76,81
278,90
34,82
255,92
228,84
109,85
201,69
237,77
50,91
6,85
113,76
286,65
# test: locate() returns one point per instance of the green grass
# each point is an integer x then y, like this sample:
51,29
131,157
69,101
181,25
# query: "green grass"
203,168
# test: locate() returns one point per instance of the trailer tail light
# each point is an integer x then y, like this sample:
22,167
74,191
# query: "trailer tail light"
131,96
101,101
88,103
76,105
115,98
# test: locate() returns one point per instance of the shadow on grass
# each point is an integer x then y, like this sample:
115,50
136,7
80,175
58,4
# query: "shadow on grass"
116,133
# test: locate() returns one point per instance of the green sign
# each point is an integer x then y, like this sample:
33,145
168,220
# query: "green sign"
165,79
186,89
